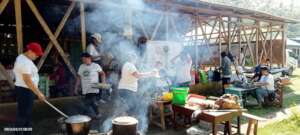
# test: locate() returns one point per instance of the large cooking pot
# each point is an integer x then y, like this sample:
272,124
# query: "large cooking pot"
78,125
75,125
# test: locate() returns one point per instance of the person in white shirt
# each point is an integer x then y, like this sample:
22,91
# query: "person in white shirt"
128,85
266,84
239,76
92,47
27,79
88,75
183,62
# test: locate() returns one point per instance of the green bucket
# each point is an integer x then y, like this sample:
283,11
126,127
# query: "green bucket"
179,95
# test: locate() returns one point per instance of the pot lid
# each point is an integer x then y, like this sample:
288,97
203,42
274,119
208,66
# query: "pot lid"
78,119
125,120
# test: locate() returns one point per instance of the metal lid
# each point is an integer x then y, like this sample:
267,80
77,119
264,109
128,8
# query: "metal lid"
125,120
78,119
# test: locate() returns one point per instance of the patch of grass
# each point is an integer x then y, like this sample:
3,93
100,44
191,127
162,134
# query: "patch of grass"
290,126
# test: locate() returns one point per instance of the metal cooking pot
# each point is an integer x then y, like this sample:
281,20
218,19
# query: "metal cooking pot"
75,125
78,125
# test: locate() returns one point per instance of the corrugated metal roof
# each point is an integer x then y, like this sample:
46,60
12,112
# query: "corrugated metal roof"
291,42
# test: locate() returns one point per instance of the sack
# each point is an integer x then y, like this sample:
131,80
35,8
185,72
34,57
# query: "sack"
271,96
179,95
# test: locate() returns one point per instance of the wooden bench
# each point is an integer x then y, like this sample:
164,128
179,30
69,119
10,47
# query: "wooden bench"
252,121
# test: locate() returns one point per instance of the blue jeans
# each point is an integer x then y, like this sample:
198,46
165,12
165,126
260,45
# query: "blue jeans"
261,94
25,98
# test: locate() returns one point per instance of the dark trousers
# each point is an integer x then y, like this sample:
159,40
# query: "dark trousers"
25,98
90,100
225,81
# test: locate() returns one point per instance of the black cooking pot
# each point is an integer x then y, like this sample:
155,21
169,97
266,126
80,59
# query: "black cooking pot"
77,125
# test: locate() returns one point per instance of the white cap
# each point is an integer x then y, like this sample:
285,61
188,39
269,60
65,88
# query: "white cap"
97,36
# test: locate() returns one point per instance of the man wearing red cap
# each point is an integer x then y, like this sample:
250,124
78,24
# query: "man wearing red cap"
27,79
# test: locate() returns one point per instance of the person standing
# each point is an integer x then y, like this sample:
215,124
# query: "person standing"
88,75
128,85
96,40
226,69
27,79
97,56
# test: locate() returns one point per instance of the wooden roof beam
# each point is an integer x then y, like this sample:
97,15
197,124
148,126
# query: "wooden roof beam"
3,4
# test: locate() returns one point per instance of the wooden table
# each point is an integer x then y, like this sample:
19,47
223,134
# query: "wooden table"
210,116
242,93
160,105
219,117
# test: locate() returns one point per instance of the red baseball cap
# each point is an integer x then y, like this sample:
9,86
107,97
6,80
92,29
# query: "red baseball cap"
36,48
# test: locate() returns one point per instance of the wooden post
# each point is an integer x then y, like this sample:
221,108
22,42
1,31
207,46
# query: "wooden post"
284,45
239,40
82,26
3,4
18,12
50,35
167,25
257,23
229,33
197,24
56,34
220,41
271,45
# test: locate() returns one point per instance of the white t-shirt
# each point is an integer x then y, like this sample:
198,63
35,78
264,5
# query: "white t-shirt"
24,65
89,75
91,49
128,81
183,71
269,79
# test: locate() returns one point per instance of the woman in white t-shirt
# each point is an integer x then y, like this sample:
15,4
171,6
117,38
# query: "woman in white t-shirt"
27,80
128,85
